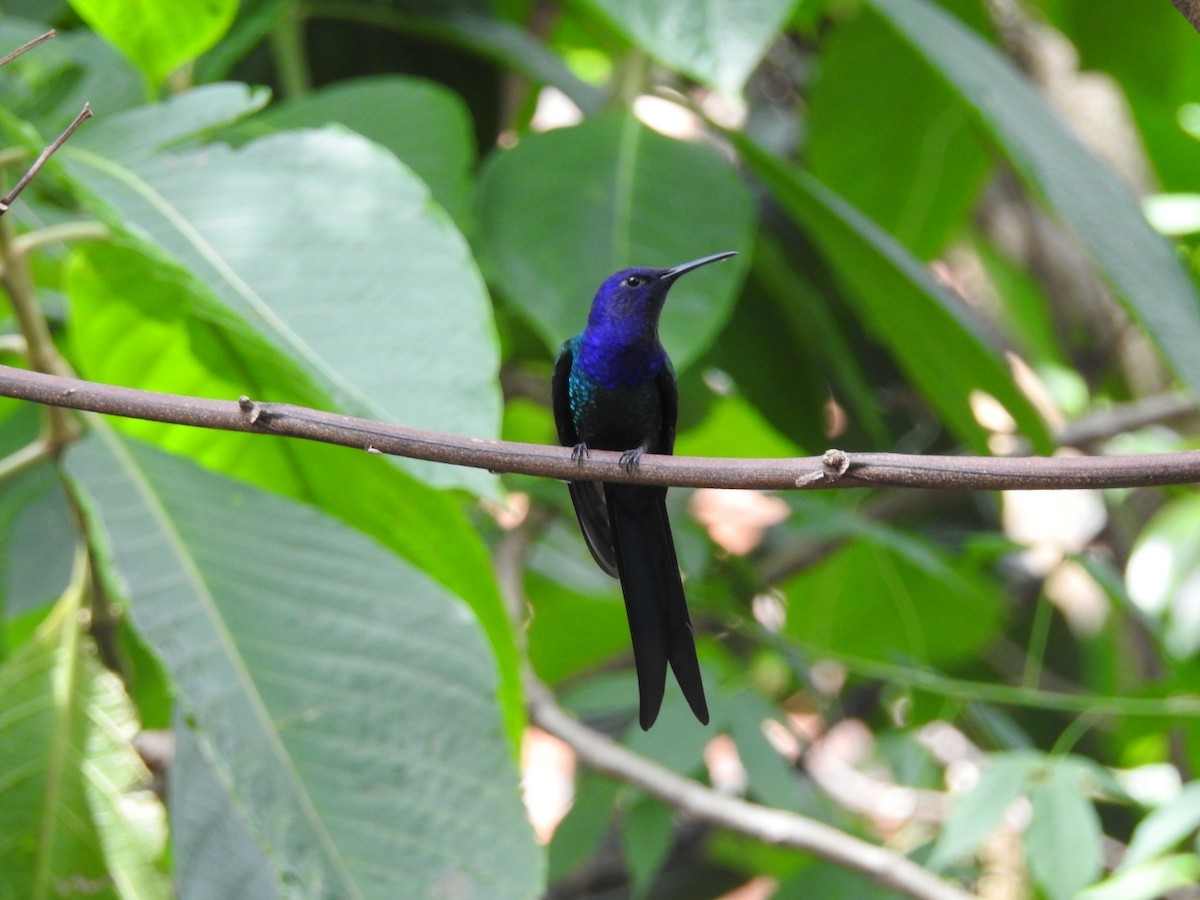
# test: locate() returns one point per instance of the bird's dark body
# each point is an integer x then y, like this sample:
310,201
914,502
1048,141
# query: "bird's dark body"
614,389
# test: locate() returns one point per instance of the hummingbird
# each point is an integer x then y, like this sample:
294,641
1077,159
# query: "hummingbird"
614,388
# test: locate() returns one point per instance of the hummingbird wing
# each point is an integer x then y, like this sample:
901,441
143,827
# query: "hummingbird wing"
586,496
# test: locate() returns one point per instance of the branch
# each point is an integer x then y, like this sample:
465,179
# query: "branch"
7,200
772,826
835,469
26,47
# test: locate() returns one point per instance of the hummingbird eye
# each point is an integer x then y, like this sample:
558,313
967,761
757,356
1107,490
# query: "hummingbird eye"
633,281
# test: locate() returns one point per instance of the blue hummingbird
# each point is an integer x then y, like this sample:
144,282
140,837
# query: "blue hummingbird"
614,389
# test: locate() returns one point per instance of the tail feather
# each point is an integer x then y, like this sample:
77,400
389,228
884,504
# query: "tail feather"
659,625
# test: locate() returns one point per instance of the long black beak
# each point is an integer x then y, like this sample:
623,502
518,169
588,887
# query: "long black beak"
684,268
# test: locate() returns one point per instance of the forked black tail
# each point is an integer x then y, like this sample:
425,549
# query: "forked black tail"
654,601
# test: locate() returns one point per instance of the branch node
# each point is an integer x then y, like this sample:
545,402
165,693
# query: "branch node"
836,463
245,403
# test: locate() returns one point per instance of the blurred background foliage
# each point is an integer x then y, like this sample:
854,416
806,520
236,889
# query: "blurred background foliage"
964,226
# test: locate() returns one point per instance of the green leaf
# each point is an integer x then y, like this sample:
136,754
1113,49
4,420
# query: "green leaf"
930,334
143,131
215,855
585,826
718,42
1165,827
772,779
646,834
1140,265
158,37
921,603
347,699
74,806
142,321
891,138
427,126
734,428
48,87
1162,574
975,815
333,250
571,632
563,210
35,560
1148,880
826,879
1062,842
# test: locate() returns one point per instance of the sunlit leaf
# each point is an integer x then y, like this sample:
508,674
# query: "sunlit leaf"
158,37
75,808
1147,880
1164,827
1163,574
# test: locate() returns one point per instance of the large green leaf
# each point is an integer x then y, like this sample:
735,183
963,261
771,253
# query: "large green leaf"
1139,264
333,250
718,42
35,560
427,126
159,37
563,210
347,699
920,603
140,320
74,805
891,138
1152,57
215,855
143,131
929,333
48,88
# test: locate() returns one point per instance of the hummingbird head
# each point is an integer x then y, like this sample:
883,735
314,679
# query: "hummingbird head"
632,299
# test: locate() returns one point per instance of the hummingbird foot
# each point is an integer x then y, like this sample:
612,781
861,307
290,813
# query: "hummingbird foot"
631,458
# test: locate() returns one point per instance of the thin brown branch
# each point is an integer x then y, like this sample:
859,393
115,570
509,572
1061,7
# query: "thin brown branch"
835,469
26,47
7,200
772,826
1102,424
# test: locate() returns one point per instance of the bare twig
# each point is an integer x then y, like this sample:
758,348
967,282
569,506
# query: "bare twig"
27,46
772,826
7,201
1102,424
836,469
